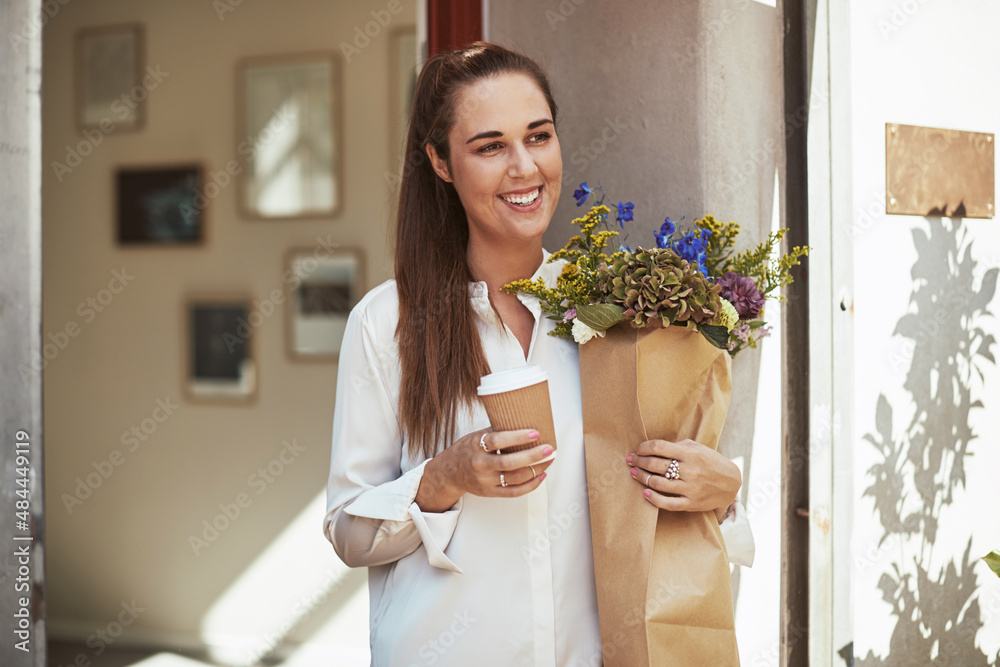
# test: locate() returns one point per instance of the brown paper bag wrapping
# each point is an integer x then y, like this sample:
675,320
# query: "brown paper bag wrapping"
663,588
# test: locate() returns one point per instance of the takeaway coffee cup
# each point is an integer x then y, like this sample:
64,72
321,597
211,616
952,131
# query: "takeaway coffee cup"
517,399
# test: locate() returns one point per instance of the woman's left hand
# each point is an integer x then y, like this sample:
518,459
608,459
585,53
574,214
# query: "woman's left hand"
707,480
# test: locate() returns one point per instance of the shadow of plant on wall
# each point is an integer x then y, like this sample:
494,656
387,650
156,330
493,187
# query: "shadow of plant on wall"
937,616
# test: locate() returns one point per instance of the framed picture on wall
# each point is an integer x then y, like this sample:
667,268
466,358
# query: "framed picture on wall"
328,285
160,205
289,136
220,364
109,70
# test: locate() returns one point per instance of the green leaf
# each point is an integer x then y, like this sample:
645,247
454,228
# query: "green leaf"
716,335
600,316
993,560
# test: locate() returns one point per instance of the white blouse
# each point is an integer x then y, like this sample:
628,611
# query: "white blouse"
492,581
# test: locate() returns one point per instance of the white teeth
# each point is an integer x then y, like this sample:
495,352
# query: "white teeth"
522,199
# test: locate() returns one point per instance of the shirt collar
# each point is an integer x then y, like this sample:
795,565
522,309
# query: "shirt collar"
547,272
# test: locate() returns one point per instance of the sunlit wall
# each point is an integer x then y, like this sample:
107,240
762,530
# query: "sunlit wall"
927,388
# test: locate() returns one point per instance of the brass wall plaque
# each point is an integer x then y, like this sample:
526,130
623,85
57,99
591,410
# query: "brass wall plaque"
935,172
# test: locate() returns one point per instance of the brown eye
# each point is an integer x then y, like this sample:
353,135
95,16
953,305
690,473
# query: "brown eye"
489,148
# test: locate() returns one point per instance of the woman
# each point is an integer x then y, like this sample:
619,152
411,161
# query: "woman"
474,557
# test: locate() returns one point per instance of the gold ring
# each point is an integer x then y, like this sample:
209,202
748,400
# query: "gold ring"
532,471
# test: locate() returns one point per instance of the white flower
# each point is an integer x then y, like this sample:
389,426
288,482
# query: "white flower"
582,333
727,317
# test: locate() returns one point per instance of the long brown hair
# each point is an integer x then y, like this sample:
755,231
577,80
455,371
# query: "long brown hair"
441,355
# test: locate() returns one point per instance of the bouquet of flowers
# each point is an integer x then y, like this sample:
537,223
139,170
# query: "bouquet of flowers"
658,328
695,279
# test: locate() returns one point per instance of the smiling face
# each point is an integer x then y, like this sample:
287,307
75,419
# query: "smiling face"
504,160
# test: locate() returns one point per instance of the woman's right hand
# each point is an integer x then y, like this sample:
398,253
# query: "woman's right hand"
466,467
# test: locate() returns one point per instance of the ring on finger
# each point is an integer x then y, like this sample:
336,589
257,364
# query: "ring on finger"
532,471
673,470
648,475
482,442
503,482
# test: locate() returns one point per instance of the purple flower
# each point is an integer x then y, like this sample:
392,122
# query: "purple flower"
742,292
569,314
742,332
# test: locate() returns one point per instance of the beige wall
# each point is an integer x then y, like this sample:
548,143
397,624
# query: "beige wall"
130,539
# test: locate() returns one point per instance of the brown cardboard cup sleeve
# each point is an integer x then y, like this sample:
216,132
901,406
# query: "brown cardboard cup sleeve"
519,398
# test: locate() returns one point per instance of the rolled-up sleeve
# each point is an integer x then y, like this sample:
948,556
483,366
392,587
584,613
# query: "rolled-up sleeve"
371,517
738,537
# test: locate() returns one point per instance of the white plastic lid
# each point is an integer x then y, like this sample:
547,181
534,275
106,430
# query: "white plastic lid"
515,378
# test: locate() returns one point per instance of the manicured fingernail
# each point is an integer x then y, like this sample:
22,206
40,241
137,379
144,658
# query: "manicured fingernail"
646,493
628,458
634,471
548,450
534,435
543,476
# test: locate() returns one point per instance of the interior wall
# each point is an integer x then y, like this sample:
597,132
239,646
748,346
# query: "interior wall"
129,540
925,452
677,107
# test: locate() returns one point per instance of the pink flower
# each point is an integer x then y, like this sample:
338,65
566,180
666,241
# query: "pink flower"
569,314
